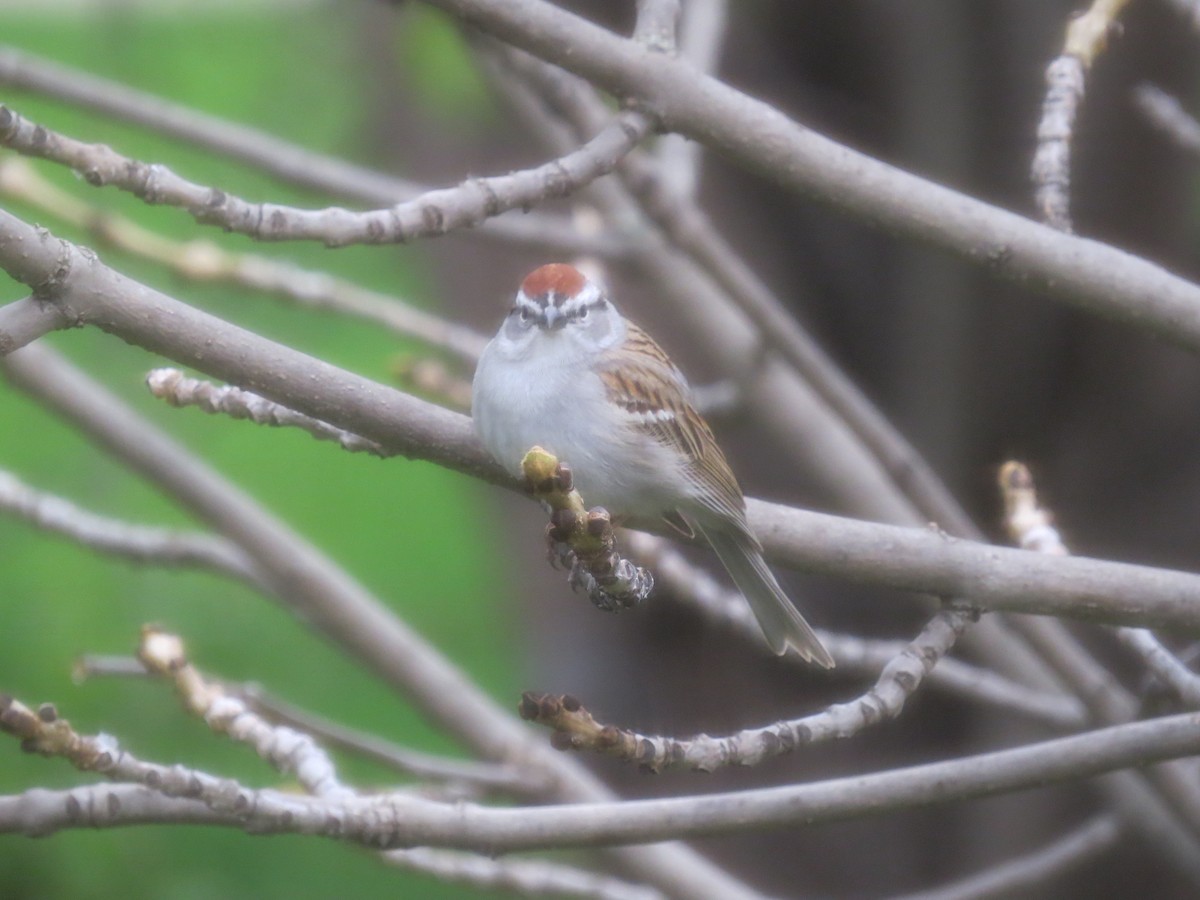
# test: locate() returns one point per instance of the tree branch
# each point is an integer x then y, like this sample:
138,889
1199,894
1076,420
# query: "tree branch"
403,820
992,578
1087,274
341,610
140,543
576,729
689,229
279,158
205,261
431,214
1016,877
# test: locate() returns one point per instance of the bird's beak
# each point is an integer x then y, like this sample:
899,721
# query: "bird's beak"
554,318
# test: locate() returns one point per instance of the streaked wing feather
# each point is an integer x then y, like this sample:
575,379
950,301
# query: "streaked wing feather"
641,379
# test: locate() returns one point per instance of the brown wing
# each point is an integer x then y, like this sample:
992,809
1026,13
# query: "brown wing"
641,379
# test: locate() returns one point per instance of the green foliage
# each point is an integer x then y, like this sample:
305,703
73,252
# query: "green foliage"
406,530
441,73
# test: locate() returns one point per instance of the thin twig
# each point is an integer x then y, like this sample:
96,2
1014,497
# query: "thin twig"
1167,114
26,320
281,159
1087,36
202,260
179,390
140,543
432,214
1029,525
1084,273
460,773
485,776
702,30
295,753
1017,877
287,750
1166,666
328,600
1107,701
576,729
699,592
920,560
400,819
690,230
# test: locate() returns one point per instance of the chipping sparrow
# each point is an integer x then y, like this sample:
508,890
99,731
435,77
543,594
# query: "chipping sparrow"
567,372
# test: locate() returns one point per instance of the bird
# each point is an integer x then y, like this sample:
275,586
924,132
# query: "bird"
567,372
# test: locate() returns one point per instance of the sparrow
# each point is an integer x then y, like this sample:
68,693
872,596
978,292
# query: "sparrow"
567,372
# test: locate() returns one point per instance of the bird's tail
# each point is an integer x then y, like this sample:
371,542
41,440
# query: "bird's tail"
780,621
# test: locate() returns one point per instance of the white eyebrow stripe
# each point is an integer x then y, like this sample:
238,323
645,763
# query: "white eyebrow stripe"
590,294
588,299
536,307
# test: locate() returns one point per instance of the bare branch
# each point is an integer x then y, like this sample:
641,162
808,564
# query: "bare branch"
1167,114
1107,701
1165,665
342,610
140,543
39,812
525,877
1087,36
289,162
1029,525
461,773
287,750
576,729
687,227
699,592
1018,876
24,321
1088,274
701,34
926,561
205,261
295,753
401,820
179,390
430,215
993,578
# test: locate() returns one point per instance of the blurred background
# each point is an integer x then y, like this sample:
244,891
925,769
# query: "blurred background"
972,371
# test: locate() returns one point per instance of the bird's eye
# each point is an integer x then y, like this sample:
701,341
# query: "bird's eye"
583,314
524,314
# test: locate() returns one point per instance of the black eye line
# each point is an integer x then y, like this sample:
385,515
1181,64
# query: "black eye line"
580,312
